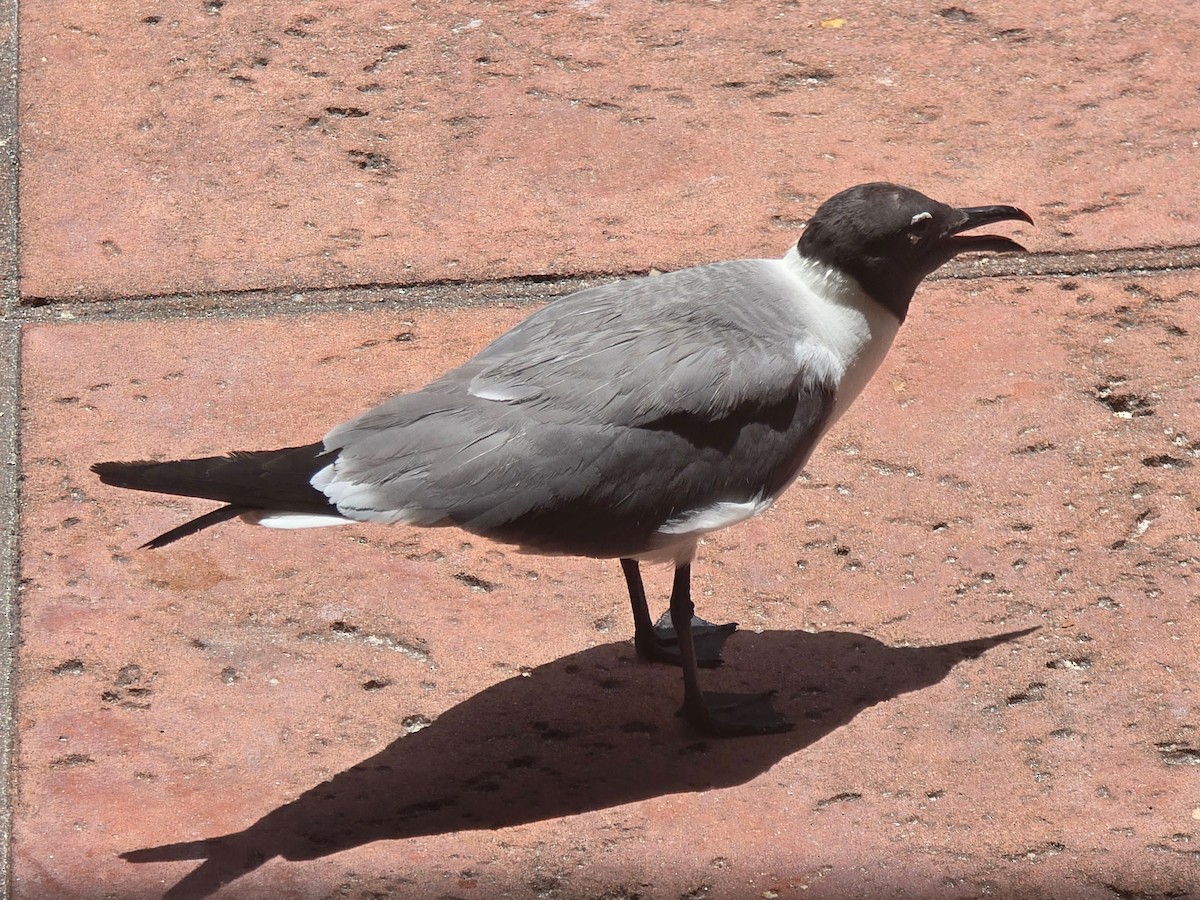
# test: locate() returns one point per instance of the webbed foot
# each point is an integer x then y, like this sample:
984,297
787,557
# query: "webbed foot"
661,644
734,715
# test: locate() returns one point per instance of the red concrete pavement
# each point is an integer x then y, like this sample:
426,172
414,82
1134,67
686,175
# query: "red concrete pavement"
225,145
1025,459
368,712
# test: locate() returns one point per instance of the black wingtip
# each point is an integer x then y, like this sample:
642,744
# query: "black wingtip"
215,517
246,481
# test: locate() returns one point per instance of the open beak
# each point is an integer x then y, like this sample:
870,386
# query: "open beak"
976,217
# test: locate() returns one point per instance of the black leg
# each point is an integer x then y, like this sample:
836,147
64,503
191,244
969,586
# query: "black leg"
720,715
657,641
644,639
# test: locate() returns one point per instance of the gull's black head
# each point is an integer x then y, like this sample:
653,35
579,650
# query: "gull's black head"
888,237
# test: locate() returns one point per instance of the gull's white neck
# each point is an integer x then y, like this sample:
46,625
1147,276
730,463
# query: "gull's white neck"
841,336
842,320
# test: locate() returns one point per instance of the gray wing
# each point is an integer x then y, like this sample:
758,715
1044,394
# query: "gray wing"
704,341
599,418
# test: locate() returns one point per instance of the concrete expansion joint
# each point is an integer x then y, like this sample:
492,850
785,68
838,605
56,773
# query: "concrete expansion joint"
1077,263
535,289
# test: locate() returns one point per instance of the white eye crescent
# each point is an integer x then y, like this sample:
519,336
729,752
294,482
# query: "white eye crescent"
918,226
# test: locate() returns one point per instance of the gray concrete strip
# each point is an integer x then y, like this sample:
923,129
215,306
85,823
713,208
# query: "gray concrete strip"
1118,261
539,289
10,340
10,375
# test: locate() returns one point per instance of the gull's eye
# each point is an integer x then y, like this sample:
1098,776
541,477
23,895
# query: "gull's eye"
919,225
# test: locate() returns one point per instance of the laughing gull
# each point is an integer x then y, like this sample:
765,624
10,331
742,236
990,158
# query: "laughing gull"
623,421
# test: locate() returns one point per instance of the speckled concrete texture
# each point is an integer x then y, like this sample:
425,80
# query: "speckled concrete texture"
979,605
224,145
351,712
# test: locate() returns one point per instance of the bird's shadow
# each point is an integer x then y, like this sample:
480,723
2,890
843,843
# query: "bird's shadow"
588,731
